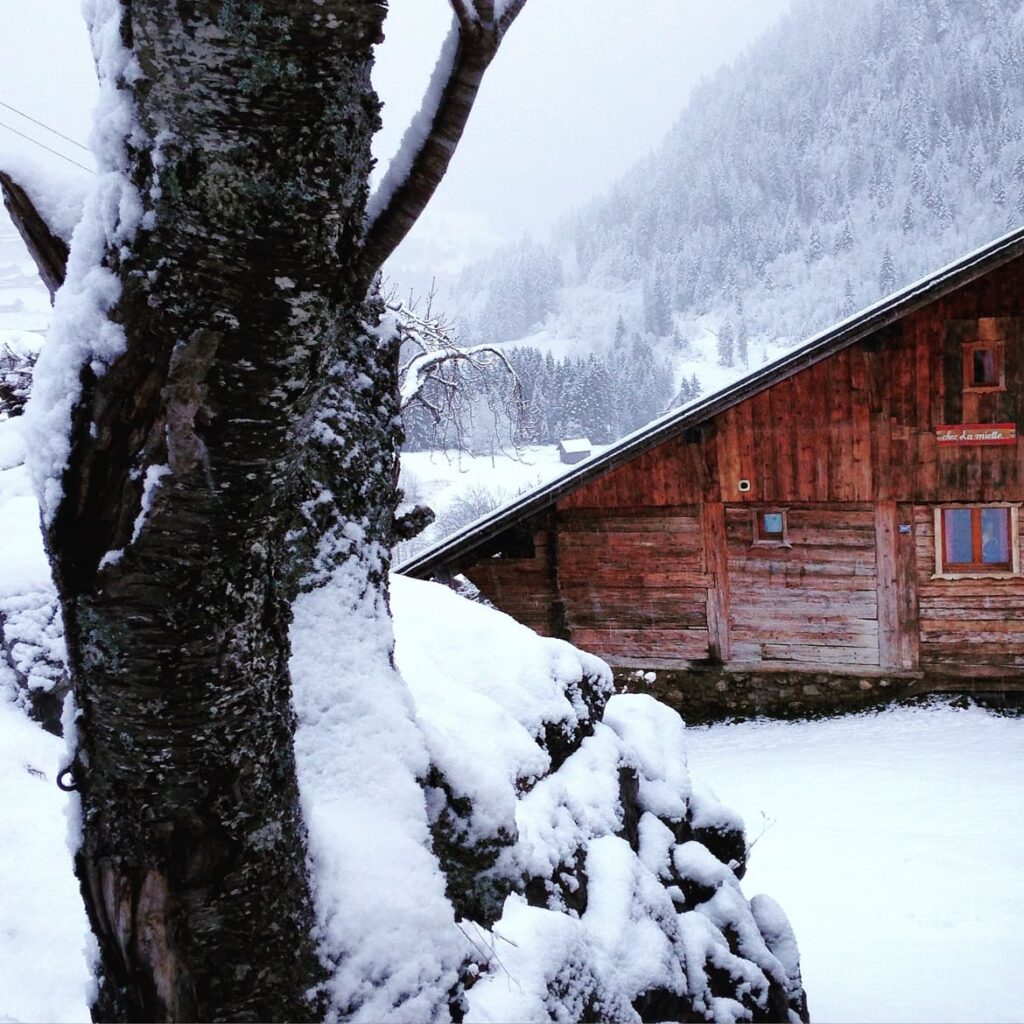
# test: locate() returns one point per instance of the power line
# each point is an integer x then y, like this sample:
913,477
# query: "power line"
29,117
42,145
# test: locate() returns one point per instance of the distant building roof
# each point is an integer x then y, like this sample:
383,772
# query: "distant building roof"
853,329
575,445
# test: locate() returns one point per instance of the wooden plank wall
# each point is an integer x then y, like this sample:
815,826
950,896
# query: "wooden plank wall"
860,425
896,562
848,446
522,587
921,366
807,438
814,603
633,583
923,363
976,625
675,473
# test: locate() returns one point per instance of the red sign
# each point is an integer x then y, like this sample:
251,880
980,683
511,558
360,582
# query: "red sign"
977,433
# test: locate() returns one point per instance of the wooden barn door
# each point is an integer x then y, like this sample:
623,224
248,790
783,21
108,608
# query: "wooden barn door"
810,599
898,629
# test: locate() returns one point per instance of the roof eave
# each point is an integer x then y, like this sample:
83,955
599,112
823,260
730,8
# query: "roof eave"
847,332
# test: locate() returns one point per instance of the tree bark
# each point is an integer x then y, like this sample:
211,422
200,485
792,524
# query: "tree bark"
48,251
479,35
176,544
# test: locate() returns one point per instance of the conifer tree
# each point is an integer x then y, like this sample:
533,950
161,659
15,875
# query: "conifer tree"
887,273
725,348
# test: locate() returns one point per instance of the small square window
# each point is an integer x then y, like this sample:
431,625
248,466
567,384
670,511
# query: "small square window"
984,373
770,526
976,539
983,366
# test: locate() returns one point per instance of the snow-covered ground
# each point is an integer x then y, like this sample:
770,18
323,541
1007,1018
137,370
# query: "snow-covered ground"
440,477
460,487
43,930
895,842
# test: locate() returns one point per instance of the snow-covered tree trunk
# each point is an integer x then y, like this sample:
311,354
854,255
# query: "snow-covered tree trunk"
217,264
214,428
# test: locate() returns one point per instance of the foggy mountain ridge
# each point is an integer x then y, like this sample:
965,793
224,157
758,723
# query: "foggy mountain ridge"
852,150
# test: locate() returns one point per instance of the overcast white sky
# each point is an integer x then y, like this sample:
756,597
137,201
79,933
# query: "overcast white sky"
580,90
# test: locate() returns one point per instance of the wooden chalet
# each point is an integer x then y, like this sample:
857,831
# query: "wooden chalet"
844,522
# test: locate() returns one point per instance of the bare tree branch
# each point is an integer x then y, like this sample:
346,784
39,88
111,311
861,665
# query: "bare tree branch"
47,250
428,368
478,40
15,381
510,14
447,382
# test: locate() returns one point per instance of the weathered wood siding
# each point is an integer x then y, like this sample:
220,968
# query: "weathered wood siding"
812,603
633,582
807,438
861,425
522,587
973,624
653,563
923,363
675,473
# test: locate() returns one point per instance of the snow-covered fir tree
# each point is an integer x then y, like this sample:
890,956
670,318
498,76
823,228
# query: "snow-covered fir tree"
846,130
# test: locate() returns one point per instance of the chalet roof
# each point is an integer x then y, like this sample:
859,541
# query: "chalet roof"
818,347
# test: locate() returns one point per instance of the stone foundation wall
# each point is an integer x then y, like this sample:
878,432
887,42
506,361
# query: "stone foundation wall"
709,694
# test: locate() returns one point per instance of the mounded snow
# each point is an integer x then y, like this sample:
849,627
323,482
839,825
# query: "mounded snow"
484,687
385,927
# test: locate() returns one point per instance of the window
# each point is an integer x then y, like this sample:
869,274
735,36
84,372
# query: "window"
977,539
770,526
983,366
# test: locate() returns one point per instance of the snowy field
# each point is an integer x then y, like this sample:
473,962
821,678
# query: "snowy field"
460,487
439,477
895,843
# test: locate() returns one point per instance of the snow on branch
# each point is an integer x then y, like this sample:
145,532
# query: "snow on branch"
478,27
450,384
508,12
47,249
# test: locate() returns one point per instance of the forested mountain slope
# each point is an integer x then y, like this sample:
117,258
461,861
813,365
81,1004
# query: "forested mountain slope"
856,147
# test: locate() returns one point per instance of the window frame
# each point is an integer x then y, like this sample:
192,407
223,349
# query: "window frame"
976,570
771,540
998,348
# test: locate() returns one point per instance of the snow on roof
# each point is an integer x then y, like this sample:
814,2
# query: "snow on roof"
575,445
819,346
